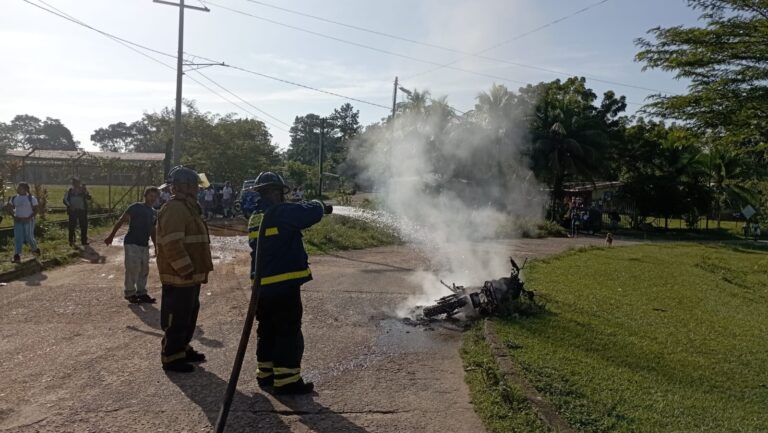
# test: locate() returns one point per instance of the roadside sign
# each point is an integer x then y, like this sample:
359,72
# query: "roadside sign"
748,212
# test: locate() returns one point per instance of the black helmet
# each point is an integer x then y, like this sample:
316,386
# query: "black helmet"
266,179
182,175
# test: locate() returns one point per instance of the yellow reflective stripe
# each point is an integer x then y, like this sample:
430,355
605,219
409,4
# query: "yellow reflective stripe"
171,237
181,262
280,370
272,231
285,277
266,364
194,239
287,380
263,374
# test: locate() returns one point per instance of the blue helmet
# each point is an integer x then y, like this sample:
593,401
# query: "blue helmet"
267,179
182,175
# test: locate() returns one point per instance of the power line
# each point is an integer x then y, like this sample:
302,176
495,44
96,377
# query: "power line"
133,47
242,100
357,44
439,65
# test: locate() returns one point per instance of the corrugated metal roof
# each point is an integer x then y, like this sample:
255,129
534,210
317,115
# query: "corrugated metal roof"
69,155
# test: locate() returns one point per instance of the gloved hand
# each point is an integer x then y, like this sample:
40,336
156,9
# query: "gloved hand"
327,209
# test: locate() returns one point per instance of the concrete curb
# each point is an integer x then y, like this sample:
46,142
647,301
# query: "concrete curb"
513,375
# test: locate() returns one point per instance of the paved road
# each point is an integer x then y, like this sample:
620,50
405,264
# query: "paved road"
74,357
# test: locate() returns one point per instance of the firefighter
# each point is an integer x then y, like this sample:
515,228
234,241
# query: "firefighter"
283,269
184,262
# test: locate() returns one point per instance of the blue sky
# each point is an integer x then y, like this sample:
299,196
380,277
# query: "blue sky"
54,68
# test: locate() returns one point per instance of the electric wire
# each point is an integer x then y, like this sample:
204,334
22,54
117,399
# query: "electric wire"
133,47
439,65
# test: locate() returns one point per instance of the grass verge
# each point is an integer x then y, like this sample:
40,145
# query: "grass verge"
54,244
649,338
501,407
339,232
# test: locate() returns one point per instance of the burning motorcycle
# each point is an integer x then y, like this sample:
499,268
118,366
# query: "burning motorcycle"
485,300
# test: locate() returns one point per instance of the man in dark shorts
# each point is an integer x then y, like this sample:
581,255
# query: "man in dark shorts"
141,218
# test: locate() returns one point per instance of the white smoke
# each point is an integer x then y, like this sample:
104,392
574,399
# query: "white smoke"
450,189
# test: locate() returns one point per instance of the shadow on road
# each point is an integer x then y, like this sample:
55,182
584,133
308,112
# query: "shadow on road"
247,414
93,256
147,313
35,280
319,418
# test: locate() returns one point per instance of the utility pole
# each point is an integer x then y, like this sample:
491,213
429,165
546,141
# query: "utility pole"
173,155
322,136
394,102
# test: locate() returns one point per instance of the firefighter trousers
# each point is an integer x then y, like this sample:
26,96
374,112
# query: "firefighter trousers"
280,343
178,318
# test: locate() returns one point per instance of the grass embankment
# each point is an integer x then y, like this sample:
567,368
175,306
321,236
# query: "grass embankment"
339,232
640,339
54,244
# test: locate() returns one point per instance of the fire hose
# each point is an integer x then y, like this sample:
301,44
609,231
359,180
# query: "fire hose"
226,404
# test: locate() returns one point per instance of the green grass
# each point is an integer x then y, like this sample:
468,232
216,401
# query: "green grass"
650,338
502,408
99,193
54,244
338,232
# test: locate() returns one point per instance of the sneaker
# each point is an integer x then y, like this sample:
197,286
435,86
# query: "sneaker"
146,299
16,258
194,356
133,299
295,388
180,366
267,382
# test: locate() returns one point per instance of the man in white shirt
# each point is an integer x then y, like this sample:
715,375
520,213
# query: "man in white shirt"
23,207
209,200
226,199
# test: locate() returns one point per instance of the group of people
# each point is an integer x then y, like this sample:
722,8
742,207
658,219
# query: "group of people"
213,201
182,243
24,208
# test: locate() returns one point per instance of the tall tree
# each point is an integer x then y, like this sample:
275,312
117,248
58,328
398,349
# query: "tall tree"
569,133
28,132
116,137
726,61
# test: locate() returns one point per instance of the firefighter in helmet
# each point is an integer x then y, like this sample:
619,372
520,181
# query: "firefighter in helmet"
184,262
283,269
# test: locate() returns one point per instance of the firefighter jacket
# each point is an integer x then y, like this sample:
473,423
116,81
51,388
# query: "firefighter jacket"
183,244
284,262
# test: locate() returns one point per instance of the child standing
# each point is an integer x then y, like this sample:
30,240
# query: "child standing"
23,206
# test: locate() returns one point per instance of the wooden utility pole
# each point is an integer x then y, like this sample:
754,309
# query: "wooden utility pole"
173,150
320,158
394,102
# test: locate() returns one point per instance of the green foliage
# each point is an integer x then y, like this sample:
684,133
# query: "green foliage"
338,129
27,132
338,232
501,407
569,133
726,61
643,338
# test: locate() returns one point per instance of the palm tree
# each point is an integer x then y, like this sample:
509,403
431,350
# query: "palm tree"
729,172
567,139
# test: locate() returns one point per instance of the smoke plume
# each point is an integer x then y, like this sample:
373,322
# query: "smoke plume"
452,184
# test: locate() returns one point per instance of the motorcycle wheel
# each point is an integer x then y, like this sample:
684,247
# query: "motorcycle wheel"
446,308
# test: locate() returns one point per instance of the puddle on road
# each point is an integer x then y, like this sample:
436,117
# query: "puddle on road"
224,249
399,337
